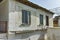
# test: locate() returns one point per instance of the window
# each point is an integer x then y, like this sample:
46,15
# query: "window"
41,19
26,17
47,20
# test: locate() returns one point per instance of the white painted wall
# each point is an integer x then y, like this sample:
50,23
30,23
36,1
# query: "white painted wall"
59,22
4,10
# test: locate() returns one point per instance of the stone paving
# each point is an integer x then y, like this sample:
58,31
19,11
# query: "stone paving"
3,36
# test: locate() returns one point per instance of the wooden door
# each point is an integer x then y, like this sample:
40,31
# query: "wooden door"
3,26
55,23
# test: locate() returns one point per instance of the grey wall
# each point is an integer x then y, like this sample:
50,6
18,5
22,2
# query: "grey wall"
4,11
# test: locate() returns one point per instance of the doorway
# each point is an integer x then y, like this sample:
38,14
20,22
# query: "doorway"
3,26
3,16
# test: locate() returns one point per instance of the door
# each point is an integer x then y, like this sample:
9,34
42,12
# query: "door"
3,26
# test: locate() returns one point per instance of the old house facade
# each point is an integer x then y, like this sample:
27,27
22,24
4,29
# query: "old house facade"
24,19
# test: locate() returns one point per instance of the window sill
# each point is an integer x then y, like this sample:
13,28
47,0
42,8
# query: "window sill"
24,25
40,25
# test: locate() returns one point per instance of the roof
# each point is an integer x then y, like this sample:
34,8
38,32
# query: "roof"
34,5
56,18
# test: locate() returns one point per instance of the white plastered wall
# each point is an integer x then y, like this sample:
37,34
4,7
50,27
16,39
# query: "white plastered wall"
59,22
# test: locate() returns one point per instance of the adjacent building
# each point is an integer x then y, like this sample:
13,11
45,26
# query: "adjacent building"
23,19
57,21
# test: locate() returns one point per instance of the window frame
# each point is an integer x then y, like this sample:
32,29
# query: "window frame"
41,19
28,17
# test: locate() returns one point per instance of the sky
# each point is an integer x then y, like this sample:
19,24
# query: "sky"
48,4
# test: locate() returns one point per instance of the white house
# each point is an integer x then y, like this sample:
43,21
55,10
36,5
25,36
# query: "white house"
23,19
